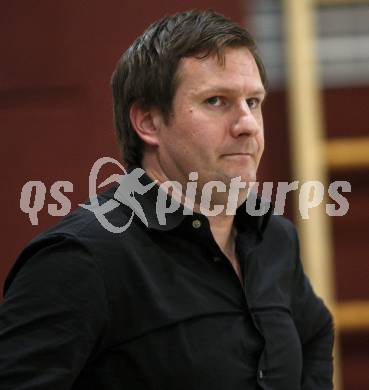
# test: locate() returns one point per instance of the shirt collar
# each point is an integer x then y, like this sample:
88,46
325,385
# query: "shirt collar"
243,219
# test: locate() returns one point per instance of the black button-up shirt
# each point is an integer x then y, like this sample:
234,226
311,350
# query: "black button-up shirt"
160,307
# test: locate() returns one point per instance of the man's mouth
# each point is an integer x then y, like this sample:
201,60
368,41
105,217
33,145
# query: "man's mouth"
247,154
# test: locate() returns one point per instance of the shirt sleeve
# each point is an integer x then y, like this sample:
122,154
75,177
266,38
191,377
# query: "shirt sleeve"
315,326
53,316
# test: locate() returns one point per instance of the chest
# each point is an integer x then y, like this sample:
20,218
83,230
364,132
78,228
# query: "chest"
182,318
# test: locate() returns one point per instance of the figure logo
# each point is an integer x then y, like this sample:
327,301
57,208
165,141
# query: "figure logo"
129,184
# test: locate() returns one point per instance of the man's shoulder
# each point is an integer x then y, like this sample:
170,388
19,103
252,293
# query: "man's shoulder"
80,231
281,222
86,223
280,229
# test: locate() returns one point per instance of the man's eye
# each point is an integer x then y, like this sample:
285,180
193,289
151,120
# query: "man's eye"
215,101
252,102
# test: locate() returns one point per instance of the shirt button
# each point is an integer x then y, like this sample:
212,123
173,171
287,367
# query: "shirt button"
217,259
196,223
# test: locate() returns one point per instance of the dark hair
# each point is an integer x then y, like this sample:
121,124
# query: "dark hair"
146,72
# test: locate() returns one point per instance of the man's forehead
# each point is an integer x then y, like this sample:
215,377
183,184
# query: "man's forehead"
212,72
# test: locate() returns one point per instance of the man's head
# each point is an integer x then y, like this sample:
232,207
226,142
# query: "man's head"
148,73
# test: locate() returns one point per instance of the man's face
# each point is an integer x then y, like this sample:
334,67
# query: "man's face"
216,126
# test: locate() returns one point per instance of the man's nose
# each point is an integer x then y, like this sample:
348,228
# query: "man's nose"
244,121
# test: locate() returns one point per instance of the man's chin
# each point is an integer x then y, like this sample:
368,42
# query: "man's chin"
248,178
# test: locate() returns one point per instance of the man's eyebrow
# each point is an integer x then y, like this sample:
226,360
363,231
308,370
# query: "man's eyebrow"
224,89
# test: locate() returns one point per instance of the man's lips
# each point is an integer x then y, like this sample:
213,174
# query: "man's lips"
238,154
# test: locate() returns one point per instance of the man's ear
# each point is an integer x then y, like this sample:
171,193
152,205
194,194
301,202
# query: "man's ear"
146,122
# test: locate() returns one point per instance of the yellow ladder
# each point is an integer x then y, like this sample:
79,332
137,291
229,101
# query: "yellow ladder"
312,157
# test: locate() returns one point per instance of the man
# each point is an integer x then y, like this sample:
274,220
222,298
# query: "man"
203,301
